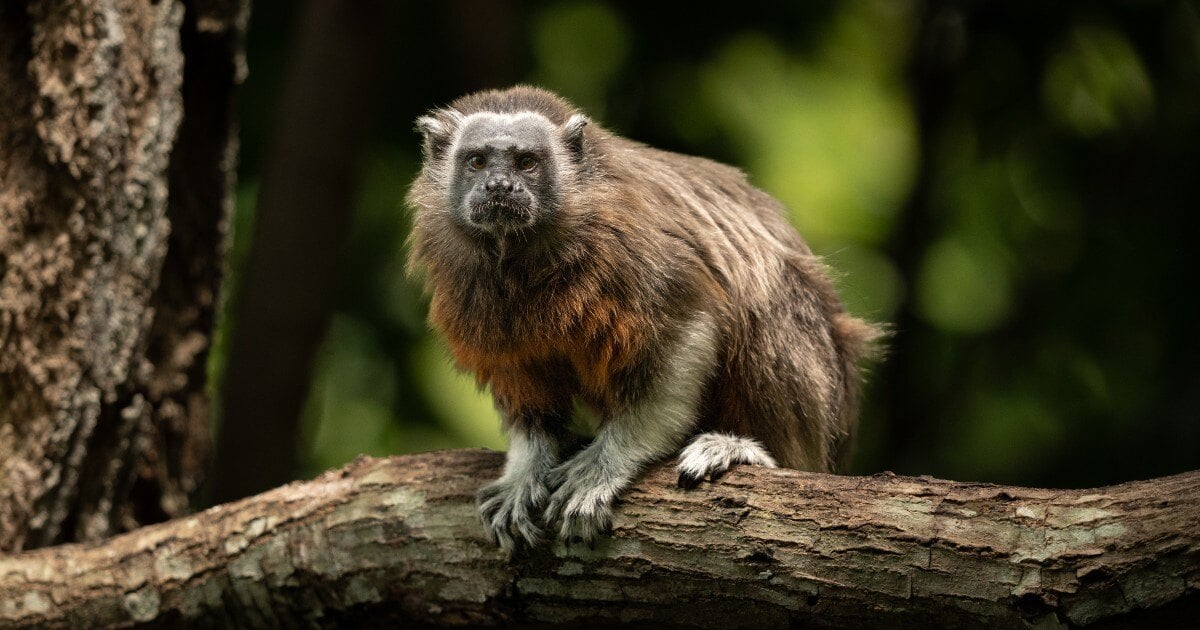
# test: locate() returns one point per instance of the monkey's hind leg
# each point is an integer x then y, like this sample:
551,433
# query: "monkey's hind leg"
711,454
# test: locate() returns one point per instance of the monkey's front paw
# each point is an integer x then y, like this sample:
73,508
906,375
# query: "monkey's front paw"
507,508
582,501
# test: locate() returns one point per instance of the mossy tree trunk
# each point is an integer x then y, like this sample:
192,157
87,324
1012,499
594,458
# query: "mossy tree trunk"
116,167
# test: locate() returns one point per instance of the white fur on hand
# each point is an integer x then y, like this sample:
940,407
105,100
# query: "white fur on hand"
508,507
584,492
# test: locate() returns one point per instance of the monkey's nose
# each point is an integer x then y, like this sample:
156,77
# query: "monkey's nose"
499,184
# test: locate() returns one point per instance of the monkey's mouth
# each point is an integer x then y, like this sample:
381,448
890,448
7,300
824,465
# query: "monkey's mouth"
500,214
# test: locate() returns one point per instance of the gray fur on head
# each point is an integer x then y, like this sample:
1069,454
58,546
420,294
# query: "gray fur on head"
502,172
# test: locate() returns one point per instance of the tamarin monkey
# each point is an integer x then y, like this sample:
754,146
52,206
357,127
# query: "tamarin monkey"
663,291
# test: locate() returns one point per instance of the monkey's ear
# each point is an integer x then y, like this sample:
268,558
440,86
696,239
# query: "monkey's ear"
573,135
437,134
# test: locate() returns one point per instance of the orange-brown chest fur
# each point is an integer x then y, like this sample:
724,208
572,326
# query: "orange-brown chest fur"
539,346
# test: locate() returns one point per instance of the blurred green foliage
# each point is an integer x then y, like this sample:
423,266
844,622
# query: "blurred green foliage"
570,36
1012,206
1096,83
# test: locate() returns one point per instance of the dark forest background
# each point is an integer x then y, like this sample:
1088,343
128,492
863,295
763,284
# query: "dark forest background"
1008,185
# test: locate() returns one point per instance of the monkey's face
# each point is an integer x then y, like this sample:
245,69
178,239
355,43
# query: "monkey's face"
504,171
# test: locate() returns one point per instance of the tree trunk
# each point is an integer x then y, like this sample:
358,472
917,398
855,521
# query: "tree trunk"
116,167
397,539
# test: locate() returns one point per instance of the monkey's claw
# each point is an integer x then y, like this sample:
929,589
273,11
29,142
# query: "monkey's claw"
507,508
582,501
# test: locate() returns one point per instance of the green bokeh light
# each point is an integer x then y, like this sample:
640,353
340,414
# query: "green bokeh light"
349,409
462,408
579,47
835,146
1096,82
963,286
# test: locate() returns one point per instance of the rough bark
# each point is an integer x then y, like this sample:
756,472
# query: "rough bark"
397,539
115,173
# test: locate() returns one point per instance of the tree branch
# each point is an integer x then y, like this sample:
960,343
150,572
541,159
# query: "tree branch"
398,539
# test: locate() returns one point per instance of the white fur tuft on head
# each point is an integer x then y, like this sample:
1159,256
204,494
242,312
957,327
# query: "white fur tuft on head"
440,123
573,133
428,125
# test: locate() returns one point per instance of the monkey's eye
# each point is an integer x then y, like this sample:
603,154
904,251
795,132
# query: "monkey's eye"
477,161
527,163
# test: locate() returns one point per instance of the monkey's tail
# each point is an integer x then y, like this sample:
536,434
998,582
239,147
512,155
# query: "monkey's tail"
858,342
